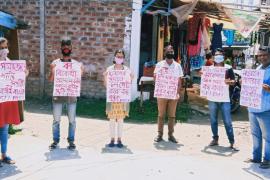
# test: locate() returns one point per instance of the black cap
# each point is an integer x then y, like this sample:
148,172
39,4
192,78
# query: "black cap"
66,41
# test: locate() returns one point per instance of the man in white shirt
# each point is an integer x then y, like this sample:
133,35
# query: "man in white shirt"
168,105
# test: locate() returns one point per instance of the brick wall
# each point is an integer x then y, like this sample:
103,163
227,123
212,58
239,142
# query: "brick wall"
97,28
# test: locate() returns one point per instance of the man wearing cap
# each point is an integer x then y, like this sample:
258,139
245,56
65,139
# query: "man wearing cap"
260,118
59,102
223,105
168,105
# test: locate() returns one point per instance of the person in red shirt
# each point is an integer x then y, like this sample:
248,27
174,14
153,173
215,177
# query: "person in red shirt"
209,59
9,111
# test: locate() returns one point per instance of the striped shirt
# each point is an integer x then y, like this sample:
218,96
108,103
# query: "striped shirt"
265,95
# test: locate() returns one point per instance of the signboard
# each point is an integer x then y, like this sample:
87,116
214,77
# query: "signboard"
67,79
213,84
251,89
12,80
238,39
166,84
118,86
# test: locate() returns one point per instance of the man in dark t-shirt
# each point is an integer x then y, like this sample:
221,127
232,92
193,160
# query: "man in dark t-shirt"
60,101
223,105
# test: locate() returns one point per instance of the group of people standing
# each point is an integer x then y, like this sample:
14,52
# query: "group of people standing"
117,111
259,118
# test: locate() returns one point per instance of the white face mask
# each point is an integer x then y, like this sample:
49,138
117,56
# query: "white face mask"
119,60
219,58
3,54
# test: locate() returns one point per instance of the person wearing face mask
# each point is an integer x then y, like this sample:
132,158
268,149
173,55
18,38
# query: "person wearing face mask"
9,111
168,106
223,105
116,111
69,101
260,118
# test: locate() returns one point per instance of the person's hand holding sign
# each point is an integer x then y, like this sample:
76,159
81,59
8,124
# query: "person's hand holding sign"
266,87
229,82
51,77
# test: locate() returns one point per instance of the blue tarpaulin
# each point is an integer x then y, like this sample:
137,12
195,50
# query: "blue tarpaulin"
7,20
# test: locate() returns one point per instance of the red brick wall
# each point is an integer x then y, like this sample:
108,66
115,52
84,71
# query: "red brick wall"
97,28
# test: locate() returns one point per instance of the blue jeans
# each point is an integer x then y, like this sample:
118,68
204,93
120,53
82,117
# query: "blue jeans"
260,129
4,139
57,112
225,108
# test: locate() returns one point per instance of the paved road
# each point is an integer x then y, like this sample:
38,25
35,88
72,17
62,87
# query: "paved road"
141,159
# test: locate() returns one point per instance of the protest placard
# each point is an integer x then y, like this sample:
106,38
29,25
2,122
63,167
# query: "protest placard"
166,84
118,86
213,84
67,79
251,89
12,80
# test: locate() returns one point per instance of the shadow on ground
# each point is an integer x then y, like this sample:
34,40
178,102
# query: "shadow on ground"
219,151
168,146
258,172
62,154
8,171
116,150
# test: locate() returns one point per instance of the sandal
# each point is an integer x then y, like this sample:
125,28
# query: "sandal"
8,160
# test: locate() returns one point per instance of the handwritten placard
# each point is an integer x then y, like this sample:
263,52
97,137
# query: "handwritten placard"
67,79
166,84
118,86
12,80
251,89
213,84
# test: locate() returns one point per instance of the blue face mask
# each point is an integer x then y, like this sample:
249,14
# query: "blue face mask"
219,58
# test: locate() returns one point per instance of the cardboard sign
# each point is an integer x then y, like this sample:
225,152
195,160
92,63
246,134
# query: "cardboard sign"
166,84
251,89
118,86
67,79
213,84
12,80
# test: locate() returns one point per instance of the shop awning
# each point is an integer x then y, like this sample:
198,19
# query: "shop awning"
7,20
243,20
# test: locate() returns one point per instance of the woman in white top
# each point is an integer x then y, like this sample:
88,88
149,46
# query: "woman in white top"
116,111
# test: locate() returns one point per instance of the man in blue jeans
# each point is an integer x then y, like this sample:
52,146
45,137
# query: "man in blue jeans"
60,101
223,105
260,118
